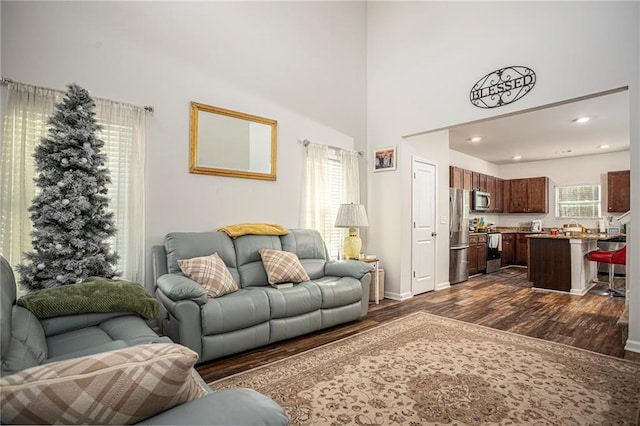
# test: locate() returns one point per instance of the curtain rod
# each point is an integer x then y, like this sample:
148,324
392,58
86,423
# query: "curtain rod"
5,81
306,143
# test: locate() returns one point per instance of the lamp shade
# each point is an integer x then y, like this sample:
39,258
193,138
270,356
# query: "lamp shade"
351,216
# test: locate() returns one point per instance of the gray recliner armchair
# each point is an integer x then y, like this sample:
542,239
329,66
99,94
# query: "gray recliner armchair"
29,342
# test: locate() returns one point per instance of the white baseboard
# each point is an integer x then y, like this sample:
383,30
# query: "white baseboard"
408,295
443,286
397,296
632,346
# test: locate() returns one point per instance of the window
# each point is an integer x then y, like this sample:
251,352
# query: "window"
578,201
331,179
334,237
25,122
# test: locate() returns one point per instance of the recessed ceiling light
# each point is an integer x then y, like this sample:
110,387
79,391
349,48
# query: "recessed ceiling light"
517,157
603,146
476,139
581,120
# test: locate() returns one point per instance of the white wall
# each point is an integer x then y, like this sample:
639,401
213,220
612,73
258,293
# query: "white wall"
460,159
423,58
421,147
633,254
300,63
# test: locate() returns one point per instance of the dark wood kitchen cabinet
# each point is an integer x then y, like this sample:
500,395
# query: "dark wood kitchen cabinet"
528,195
478,181
550,266
618,191
498,200
467,179
506,196
477,254
460,178
521,250
495,187
508,255
455,177
491,189
538,195
481,248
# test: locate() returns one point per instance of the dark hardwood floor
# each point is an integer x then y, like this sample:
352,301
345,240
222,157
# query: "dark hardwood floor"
503,300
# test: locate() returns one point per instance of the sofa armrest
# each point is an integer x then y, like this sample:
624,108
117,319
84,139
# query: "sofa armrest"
183,323
178,287
347,268
226,407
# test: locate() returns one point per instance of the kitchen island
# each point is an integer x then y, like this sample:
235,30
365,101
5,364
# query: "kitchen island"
558,262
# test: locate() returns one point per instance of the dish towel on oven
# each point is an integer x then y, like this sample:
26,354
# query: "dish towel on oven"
495,241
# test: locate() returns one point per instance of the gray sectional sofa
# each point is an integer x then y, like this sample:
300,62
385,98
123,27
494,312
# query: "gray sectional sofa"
258,313
29,342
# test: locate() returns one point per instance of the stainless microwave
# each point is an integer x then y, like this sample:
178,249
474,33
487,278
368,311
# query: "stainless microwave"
481,201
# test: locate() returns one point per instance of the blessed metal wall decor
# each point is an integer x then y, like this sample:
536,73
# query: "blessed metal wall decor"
502,87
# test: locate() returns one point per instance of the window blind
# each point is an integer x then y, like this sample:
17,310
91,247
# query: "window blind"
578,201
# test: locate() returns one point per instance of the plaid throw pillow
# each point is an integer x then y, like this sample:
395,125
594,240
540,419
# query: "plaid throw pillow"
282,267
123,386
211,273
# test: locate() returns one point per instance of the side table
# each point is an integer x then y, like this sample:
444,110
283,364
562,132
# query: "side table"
376,268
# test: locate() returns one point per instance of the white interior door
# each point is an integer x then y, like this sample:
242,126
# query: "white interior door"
424,222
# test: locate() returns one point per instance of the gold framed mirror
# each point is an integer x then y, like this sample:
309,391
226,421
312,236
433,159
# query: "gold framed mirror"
231,143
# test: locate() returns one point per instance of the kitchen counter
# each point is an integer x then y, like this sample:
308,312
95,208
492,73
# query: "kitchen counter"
558,262
503,232
576,236
510,231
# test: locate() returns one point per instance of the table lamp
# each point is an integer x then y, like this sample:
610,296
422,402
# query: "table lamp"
352,216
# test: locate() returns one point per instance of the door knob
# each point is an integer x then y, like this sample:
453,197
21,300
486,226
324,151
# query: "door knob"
434,234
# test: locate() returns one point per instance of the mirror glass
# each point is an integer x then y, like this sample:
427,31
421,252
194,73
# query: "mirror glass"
231,143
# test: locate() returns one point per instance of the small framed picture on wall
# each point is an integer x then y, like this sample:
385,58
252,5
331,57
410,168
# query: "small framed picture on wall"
384,159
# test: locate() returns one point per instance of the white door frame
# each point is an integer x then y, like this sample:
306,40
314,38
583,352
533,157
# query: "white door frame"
434,199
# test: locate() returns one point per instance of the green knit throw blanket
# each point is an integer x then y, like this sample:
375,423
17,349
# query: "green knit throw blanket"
95,294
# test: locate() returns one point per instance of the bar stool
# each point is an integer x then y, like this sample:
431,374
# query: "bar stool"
618,257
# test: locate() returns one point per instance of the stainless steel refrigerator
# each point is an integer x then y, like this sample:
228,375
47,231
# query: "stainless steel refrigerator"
458,235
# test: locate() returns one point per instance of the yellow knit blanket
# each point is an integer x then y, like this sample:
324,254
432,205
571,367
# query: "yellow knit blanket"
240,229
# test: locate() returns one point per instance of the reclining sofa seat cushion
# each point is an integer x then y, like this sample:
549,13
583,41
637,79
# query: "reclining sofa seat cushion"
234,323
85,334
341,296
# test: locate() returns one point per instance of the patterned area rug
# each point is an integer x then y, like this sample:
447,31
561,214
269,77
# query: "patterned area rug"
423,369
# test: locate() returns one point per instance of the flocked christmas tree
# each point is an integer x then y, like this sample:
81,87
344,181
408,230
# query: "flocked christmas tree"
69,213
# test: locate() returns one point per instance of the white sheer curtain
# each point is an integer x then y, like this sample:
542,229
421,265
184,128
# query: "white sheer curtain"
351,184
314,188
25,122
331,178
124,135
